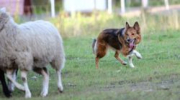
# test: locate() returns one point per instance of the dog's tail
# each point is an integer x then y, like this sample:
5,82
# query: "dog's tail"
94,46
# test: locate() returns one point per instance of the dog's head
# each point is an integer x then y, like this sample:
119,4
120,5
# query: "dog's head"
132,34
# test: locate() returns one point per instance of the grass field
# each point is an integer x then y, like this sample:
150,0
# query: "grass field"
156,76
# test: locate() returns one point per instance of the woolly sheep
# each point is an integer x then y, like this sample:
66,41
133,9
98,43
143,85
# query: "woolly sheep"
30,46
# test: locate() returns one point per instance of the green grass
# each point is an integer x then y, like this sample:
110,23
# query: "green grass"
156,76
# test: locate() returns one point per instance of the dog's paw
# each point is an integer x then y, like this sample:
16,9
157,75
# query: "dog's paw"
131,65
139,56
124,63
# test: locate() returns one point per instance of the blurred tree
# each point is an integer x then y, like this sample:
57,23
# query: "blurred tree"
133,3
28,7
43,6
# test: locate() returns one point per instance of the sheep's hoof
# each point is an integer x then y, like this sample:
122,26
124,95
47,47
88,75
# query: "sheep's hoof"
8,94
61,91
43,94
28,96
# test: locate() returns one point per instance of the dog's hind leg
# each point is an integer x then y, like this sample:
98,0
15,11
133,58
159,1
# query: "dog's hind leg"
99,55
119,59
101,52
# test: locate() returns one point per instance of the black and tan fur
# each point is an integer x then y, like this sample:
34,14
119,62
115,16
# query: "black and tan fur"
117,39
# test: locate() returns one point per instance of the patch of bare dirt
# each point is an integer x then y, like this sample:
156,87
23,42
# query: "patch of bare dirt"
145,86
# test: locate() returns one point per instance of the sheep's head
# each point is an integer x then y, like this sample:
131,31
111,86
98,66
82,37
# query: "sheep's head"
3,17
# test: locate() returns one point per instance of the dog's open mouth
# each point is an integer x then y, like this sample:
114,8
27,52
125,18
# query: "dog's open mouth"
132,44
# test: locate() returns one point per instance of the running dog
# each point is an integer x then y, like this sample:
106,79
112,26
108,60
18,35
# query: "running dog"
122,40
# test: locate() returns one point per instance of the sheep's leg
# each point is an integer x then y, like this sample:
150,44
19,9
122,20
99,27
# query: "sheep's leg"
58,65
45,84
9,76
6,91
10,84
59,83
24,79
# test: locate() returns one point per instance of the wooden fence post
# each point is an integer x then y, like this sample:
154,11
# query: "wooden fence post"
166,4
122,6
110,6
52,9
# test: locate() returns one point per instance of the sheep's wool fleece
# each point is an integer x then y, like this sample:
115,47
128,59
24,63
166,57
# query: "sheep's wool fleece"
28,45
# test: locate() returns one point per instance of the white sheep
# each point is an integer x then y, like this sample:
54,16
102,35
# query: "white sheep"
30,46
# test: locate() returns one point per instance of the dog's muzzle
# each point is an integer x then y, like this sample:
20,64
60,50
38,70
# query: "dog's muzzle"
132,44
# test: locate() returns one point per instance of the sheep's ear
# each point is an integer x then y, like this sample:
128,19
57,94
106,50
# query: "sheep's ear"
3,9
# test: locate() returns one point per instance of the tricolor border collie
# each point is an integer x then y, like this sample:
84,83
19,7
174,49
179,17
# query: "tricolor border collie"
122,40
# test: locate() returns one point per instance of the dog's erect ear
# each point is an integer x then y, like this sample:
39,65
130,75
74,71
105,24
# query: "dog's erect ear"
127,25
136,26
3,9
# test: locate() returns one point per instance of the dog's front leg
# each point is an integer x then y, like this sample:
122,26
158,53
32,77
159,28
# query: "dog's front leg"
137,54
130,61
